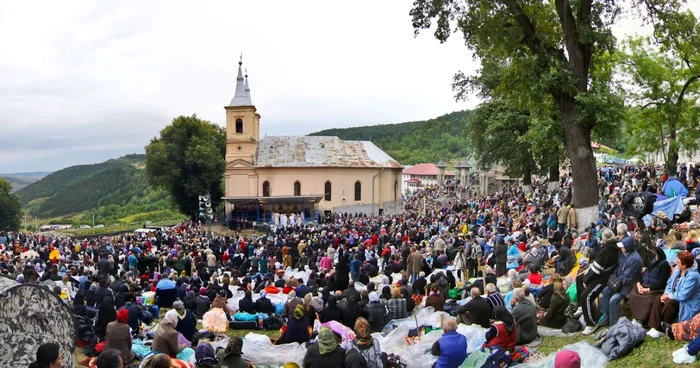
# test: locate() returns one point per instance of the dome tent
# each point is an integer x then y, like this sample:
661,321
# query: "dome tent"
30,316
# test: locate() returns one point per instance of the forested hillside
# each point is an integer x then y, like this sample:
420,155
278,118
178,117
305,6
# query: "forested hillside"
414,142
114,190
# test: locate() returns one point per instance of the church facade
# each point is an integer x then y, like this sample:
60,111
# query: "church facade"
307,175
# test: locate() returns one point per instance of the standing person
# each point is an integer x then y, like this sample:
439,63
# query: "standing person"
500,255
474,252
628,273
414,263
592,283
562,217
355,268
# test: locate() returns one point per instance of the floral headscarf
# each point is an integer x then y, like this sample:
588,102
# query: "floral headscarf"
362,330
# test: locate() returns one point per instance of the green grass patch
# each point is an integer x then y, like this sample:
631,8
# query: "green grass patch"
650,353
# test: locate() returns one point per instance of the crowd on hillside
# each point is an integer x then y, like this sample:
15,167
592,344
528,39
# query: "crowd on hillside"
508,262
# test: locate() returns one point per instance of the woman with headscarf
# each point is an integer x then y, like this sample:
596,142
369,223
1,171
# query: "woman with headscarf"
297,329
186,321
105,314
503,332
651,285
79,308
375,312
365,344
122,296
326,353
555,317
118,336
230,357
165,340
309,309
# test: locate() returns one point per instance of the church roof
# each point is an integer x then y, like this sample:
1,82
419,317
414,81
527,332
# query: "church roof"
242,96
314,151
425,169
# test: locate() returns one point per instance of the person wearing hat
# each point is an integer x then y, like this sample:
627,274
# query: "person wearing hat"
118,336
567,359
629,272
187,323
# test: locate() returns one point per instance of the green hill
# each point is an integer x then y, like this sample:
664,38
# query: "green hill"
417,141
115,189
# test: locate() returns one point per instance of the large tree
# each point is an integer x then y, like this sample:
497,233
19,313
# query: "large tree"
562,42
10,207
663,89
187,160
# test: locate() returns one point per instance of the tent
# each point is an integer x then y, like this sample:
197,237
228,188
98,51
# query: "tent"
30,316
671,207
673,187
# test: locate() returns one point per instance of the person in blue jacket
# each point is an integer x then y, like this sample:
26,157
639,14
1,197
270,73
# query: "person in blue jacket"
451,348
629,272
681,294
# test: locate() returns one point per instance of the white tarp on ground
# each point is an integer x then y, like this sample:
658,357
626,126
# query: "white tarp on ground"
590,357
259,349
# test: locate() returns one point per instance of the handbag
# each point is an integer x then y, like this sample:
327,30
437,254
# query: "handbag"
614,283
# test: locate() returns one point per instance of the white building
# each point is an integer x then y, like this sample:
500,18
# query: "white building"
422,176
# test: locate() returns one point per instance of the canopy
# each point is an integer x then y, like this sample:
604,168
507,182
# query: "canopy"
671,207
31,315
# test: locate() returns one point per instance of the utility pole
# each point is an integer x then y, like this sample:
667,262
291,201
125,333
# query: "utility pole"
93,222
36,223
25,223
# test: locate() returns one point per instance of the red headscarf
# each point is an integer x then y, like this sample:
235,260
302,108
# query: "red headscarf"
123,315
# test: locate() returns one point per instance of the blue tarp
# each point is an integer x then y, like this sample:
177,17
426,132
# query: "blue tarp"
670,207
674,188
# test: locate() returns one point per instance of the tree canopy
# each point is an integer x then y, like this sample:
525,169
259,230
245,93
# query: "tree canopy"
10,207
561,49
663,89
187,160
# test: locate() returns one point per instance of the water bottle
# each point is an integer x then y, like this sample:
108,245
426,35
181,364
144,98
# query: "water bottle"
260,322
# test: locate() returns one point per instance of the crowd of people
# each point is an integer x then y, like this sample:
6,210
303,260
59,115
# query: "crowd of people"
508,262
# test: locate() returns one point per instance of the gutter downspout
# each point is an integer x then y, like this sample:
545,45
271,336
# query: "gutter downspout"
374,177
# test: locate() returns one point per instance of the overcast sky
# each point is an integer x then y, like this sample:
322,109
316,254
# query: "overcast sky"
86,81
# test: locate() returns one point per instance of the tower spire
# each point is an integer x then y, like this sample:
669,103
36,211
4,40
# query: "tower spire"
242,96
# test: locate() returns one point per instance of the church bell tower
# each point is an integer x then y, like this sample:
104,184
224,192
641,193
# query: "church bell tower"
242,136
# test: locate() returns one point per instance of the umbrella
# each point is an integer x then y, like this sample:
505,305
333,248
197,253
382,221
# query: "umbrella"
29,254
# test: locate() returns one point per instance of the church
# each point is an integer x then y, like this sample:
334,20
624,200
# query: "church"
302,175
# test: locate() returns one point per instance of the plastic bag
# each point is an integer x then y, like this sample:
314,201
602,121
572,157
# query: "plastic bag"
476,336
262,354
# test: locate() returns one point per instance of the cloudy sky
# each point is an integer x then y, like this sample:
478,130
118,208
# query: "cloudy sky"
86,81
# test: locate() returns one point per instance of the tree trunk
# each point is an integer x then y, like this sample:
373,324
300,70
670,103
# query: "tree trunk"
527,176
672,157
553,177
577,140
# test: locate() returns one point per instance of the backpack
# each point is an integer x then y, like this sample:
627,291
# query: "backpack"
498,358
205,355
476,251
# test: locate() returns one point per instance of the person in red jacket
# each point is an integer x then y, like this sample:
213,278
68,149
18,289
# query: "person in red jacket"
503,332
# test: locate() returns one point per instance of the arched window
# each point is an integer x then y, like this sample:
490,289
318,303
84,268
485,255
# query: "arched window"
358,191
297,188
396,189
327,191
266,188
239,126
